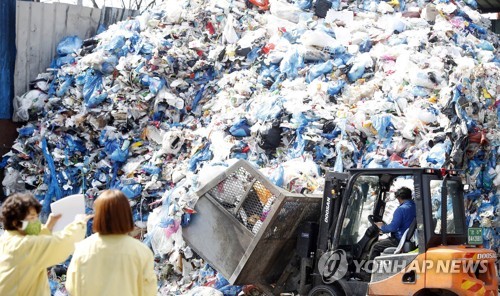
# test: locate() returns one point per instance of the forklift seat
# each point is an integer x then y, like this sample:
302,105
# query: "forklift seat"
405,244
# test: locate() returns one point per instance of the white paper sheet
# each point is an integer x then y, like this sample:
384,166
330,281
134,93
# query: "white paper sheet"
69,207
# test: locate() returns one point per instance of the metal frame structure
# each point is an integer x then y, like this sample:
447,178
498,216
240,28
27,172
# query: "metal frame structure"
218,234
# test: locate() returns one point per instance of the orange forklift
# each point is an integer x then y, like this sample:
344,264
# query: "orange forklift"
253,232
434,257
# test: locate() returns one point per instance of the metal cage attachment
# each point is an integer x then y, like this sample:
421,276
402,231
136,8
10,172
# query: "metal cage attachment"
246,227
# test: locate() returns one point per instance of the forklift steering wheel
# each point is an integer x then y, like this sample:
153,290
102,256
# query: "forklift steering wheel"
373,219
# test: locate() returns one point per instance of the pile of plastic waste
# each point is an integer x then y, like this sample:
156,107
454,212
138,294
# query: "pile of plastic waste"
157,105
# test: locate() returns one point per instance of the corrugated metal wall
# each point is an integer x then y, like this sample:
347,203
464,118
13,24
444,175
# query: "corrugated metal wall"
40,27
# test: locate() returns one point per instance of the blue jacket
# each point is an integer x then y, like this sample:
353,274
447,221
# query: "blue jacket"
401,220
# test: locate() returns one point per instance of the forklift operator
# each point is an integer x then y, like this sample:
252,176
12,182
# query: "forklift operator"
401,220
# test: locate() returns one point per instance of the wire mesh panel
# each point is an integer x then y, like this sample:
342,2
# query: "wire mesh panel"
245,198
292,213
231,190
246,226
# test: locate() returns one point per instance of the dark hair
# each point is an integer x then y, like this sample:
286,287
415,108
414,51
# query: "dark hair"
112,213
16,207
404,193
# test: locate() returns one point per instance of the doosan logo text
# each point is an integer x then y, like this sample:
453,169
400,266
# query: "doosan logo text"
486,256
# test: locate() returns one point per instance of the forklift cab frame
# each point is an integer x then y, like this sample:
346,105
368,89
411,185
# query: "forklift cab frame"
422,179
340,189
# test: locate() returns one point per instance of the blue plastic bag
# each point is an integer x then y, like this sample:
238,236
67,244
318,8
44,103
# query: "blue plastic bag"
205,273
300,120
270,109
101,29
485,45
298,147
420,91
73,144
132,190
341,59
230,290
318,70
120,154
484,180
278,176
471,3
356,72
115,45
437,154
473,195
146,48
395,165
69,45
253,54
96,100
64,87
26,131
375,165
239,155
293,35
365,45
131,25
291,63
139,215
277,82
240,128
155,84
335,4
166,222
64,60
304,4
323,153
50,179
268,74
473,27
220,281
151,169
382,123
200,156
185,219
197,98
334,88
108,65
4,162
92,84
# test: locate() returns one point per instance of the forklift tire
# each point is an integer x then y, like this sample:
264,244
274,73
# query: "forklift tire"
324,290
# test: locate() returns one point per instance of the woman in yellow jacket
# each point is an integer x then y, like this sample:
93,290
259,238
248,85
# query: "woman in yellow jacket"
110,262
28,248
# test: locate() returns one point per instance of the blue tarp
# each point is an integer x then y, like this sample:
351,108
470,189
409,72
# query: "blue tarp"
7,56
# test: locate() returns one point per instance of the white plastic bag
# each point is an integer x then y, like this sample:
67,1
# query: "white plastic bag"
229,34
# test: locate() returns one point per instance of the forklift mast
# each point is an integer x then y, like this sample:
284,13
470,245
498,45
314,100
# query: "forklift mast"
335,184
